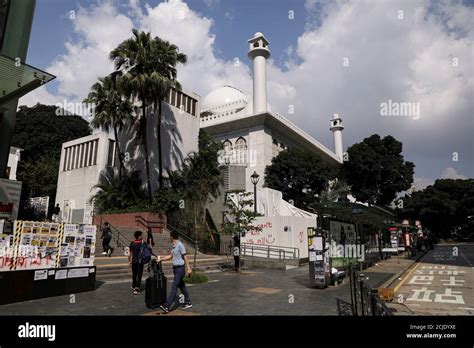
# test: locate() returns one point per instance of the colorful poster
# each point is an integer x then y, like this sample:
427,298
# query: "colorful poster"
37,246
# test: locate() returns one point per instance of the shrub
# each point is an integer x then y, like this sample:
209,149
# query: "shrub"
196,277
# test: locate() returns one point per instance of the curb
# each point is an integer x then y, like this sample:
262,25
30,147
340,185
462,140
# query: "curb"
392,280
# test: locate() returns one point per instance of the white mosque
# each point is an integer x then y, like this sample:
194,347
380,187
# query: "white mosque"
252,134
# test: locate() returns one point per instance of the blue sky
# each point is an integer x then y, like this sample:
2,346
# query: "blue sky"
399,50
52,26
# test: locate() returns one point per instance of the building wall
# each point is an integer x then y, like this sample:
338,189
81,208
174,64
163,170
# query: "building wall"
77,178
260,149
281,231
13,159
180,134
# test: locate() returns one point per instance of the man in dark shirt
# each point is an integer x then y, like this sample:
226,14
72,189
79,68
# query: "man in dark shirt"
106,238
56,212
135,261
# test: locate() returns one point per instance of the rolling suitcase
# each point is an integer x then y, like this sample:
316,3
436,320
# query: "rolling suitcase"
155,288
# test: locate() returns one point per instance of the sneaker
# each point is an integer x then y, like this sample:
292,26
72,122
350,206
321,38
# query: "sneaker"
104,253
188,305
135,292
164,308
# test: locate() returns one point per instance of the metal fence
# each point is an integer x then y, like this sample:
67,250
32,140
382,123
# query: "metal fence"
365,300
269,251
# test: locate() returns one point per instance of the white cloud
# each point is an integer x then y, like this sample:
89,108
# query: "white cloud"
451,173
421,183
405,60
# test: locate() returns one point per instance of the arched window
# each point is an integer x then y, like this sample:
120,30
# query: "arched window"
241,151
227,150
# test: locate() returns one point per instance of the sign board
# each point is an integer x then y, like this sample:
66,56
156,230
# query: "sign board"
318,261
40,204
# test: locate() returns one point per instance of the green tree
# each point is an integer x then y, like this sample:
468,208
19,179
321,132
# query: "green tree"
239,214
442,206
300,175
164,76
376,170
40,131
111,110
198,182
116,193
148,70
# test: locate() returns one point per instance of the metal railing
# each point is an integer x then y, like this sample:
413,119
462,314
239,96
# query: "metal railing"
117,237
269,251
365,299
183,236
149,224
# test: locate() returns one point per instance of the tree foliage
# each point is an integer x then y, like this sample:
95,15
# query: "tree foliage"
40,132
239,215
111,110
300,176
442,206
116,193
147,68
376,170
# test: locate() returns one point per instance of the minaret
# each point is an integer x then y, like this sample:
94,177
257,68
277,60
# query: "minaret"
259,53
336,128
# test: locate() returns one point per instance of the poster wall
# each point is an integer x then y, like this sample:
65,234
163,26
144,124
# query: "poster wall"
35,245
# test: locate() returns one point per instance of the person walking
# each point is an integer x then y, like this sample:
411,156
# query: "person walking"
106,238
56,213
149,238
181,267
135,260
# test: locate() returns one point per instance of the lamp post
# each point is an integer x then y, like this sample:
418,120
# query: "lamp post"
254,177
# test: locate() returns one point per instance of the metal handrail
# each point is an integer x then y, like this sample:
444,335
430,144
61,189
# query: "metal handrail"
271,250
120,241
149,224
181,234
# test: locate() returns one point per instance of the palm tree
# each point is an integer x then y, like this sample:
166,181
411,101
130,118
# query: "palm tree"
148,71
164,78
111,109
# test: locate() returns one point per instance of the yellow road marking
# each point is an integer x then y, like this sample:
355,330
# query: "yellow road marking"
409,274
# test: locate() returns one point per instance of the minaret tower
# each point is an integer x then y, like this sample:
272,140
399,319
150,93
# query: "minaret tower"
336,128
258,54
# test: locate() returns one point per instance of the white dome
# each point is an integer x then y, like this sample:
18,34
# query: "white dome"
225,98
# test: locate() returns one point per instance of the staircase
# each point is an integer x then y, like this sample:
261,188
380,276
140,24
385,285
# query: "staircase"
117,267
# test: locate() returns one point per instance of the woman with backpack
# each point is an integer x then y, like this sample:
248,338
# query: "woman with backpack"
139,254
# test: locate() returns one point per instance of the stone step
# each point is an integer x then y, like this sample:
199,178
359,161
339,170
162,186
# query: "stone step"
126,274
113,271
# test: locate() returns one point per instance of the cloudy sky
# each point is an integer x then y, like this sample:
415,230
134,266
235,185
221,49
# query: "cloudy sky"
345,57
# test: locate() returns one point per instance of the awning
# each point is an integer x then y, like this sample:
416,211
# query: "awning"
16,81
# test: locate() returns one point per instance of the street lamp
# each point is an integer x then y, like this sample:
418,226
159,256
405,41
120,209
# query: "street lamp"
254,177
